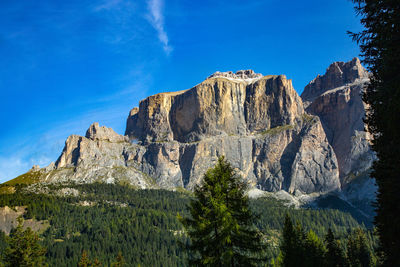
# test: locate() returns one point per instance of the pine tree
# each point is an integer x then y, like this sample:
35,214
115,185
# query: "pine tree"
380,47
358,252
96,263
221,226
334,256
24,248
314,250
84,261
288,243
119,260
291,247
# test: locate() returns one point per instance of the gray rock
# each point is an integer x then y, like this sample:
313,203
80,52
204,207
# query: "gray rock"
341,111
337,75
258,123
214,107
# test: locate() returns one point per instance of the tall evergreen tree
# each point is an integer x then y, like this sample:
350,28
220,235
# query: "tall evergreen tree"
221,226
358,252
24,248
291,247
380,46
334,255
314,250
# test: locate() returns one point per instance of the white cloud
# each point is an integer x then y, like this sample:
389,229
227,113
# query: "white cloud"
106,5
156,19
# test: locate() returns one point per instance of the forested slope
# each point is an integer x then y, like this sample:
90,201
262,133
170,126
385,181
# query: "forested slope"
105,219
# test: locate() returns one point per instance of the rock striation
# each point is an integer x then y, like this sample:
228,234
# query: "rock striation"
336,99
338,74
214,107
274,138
260,126
97,157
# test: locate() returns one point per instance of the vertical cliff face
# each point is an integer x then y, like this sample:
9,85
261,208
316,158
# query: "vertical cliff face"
336,99
257,122
219,105
338,74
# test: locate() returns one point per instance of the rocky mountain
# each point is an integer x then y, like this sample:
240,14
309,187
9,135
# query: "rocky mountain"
335,98
259,123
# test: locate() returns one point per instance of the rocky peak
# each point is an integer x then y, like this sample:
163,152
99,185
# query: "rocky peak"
216,107
336,75
97,132
336,99
240,74
257,122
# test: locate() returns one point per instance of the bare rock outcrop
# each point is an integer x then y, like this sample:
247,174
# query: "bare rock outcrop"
96,157
338,74
336,99
216,106
257,122
96,132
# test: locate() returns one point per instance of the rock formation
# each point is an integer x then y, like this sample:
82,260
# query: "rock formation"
336,99
214,107
257,122
97,157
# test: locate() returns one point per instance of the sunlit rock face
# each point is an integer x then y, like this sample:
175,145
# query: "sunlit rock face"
257,122
219,105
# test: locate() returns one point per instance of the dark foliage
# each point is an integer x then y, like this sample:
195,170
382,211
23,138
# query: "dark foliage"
23,248
298,249
380,47
335,256
143,225
220,225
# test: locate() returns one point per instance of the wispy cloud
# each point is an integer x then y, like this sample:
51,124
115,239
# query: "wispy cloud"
106,5
156,19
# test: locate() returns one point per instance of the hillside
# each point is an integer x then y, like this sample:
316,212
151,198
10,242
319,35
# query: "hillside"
142,224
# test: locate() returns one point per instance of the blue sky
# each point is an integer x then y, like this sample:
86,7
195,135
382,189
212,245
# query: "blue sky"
66,64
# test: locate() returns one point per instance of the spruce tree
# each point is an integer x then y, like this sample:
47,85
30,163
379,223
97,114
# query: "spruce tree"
220,226
358,252
334,256
84,261
292,247
314,250
380,47
119,260
24,248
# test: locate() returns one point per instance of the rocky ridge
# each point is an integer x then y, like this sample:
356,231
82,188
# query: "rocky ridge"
259,123
336,100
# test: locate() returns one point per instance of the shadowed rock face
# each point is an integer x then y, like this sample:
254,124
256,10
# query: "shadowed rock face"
338,74
336,100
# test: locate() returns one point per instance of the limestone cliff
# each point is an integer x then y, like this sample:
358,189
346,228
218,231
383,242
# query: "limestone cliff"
97,157
336,99
259,123
219,105
338,74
